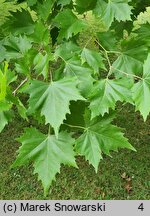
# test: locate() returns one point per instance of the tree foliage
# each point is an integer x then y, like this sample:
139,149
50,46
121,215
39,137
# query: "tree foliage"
50,72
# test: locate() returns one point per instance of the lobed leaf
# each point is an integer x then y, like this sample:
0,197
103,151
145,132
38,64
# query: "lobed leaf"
47,153
141,91
53,99
98,138
69,24
114,9
106,93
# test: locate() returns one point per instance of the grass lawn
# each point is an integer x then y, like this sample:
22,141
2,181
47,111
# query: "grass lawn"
124,176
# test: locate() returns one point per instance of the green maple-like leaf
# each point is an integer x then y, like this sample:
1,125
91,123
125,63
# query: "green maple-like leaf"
2,52
45,8
6,77
106,93
100,137
19,105
24,64
107,40
20,23
114,9
41,63
141,91
40,34
71,49
5,114
93,58
69,24
6,8
52,99
16,47
5,117
143,33
83,73
11,76
5,106
131,58
3,85
47,152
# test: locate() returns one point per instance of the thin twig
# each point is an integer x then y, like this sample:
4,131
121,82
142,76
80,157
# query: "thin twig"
50,73
127,74
75,126
21,84
49,130
62,59
110,65
113,52
68,66
107,57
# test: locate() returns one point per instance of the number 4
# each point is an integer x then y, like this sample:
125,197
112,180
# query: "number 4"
141,207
